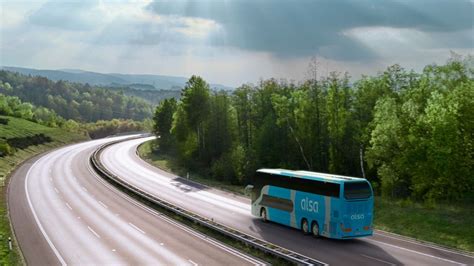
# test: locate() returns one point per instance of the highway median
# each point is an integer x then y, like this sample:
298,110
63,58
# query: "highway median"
254,246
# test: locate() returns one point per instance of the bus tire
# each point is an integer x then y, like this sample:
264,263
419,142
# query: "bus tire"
305,226
263,214
315,229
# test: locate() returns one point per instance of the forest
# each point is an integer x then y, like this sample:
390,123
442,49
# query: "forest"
80,102
410,134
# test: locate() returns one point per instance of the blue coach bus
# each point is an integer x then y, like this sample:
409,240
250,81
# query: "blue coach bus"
320,204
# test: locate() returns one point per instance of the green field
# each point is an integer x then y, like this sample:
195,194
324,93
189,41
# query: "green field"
449,225
19,128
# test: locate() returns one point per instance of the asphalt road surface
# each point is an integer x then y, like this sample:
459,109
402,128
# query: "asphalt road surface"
63,213
234,211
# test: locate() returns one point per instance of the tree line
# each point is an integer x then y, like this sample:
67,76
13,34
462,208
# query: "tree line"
80,102
13,106
410,134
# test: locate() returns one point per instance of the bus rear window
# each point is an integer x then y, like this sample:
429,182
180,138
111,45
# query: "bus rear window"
357,190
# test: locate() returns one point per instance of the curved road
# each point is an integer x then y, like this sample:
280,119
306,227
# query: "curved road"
63,213
234,211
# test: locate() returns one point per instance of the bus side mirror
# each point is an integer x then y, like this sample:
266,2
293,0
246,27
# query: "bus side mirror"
248,190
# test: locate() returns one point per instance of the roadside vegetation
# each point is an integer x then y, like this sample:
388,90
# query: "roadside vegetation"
30,139
451,222
450,225
408,133
37,115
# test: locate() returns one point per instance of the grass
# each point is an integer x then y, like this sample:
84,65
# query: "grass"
22,128
450,225
446,224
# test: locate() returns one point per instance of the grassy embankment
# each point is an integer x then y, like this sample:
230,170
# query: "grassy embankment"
445,224
22,129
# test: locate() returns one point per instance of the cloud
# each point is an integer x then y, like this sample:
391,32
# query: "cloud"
68,15
301,28
233,41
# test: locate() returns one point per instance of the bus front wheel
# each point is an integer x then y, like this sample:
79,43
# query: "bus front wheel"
263,214
315,229
305,226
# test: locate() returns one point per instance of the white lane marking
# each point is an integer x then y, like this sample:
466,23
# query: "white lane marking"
159,215
428,245
50,243
83,188
68,206
136,228
55,189
114,250
416,252
50,179
78,217
193,263
379,260
90,229
103,205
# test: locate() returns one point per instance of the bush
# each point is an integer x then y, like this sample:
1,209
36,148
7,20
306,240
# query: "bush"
24,142
5,149
222,169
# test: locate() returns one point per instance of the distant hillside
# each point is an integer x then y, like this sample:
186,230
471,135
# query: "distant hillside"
158,82
77,101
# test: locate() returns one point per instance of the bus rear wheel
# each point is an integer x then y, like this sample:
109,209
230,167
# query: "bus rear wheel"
263,214
305,226
315,229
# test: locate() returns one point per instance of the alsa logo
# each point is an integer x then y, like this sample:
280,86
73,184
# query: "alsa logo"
357,216
309,205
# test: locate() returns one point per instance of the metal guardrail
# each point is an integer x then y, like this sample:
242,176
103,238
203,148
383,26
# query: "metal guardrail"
257,243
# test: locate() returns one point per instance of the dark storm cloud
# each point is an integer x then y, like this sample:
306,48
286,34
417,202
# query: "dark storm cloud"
298,28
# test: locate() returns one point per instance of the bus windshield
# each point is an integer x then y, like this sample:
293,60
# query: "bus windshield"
357,190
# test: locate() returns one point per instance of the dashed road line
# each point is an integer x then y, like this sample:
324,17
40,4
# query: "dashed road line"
193,263
55,250
57,191
68,206
136,228
90,229
103,205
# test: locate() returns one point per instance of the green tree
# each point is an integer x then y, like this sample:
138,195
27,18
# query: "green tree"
338,109
163,119
196,105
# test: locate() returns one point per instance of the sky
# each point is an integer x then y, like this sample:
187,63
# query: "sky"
234,41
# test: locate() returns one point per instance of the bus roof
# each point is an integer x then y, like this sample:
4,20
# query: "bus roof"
311,175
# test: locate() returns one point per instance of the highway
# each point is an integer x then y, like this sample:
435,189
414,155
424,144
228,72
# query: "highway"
64,213
234,211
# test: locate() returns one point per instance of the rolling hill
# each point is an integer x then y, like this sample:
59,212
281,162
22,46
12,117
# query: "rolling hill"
136,81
